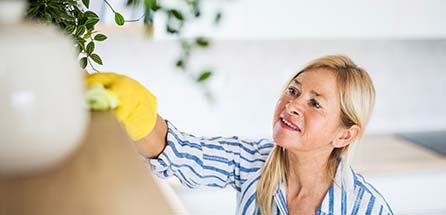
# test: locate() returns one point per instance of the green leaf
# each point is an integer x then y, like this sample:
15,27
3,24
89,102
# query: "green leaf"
217,18
69,28
202,42
52,5
55,18
48,17
149,3
88,34
69,22
100,37
119,19
65,16
204,75
86,3
81,20
195,7
171,30
80,43
91,14
80,30
79,40
96,58
90,47
91,22
32,11
180,63
177,14
156,7
83,62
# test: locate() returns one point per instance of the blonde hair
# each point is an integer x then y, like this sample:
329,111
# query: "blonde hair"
357,98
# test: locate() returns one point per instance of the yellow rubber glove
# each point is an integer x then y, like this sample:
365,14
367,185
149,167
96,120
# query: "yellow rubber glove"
137,106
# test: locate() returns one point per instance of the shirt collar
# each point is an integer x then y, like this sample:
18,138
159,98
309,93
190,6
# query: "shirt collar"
343,182
279,198
344,178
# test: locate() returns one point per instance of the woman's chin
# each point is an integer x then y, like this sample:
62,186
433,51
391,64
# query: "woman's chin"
280,140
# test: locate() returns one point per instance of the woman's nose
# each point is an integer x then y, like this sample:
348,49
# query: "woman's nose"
294,107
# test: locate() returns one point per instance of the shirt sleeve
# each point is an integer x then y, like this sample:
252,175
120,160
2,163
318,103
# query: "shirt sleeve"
215,161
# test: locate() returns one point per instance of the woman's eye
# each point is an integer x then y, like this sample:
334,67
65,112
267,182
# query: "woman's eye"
292,91
315,104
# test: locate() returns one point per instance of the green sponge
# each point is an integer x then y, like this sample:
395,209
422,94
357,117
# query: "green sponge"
100,99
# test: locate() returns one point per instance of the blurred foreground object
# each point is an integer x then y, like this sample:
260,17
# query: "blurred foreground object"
104,177
43,116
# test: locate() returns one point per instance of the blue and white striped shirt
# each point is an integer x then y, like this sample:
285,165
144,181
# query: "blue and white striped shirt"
219,161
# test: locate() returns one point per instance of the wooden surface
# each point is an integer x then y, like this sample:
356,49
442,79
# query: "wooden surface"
382,154
105,176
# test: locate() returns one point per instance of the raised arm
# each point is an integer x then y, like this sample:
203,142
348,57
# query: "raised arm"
136,111
209,161
195,161
154,143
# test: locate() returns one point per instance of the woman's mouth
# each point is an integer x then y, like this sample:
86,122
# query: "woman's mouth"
288,125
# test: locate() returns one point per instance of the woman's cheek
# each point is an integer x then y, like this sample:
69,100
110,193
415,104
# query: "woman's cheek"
279,108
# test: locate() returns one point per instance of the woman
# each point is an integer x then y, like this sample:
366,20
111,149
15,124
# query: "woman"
320,115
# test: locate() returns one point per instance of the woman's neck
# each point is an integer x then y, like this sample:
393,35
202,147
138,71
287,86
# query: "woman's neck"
307,173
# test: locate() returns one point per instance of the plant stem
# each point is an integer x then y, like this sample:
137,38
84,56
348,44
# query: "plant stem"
106,2
135,20
91,64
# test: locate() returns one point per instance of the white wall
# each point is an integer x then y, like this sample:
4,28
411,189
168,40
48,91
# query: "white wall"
409,78
265,19
252,19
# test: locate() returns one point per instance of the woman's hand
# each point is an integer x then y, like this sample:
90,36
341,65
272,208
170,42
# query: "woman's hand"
137,106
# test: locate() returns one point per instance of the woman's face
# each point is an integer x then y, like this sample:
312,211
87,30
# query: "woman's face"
307,115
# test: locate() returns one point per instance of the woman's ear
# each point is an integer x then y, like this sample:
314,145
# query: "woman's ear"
346,136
